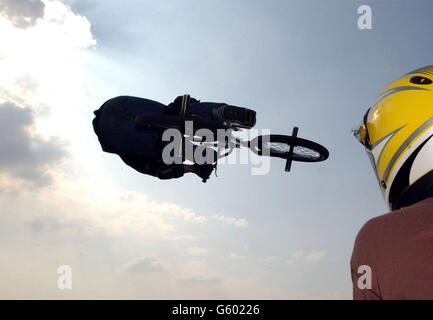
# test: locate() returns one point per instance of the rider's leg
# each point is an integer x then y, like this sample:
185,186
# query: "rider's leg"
221,112
237,115
206,110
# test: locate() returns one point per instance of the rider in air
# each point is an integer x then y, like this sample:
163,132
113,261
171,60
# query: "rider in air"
115,125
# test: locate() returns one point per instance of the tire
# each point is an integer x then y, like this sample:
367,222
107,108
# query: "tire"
279,146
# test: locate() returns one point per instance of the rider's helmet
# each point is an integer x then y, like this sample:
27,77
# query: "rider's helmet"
397,134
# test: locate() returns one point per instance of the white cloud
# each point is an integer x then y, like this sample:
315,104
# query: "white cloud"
298,256
315,256
42,66
239,223
194,251
312,256
201,281
72,27
273,259
108,212
142,264
173,210
184,237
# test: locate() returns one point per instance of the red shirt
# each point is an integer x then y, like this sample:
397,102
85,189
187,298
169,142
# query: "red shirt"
398,250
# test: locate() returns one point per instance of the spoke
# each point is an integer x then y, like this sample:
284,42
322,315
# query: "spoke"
298,151
306,152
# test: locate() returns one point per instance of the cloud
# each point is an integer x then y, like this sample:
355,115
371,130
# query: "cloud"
74,28
315,256
167,209
69,25
206,281
184,237
43,224
24,154
273,259
193,251
238,223
142,265
22,13
312,256
43,65
81,209
174,210
42,84
298,256
22,90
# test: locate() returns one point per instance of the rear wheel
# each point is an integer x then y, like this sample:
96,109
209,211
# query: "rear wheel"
279,146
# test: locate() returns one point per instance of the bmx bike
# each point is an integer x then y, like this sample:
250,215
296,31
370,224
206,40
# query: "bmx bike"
291,148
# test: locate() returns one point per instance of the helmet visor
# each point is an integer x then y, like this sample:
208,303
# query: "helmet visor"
360,132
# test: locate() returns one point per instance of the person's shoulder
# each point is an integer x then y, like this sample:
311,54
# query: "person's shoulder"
373,225
377,222
373,230
390,222
368,241
421,207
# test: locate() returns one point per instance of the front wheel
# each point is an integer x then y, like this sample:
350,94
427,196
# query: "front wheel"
276,145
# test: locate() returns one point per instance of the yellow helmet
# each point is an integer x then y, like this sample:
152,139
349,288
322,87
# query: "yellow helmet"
396,133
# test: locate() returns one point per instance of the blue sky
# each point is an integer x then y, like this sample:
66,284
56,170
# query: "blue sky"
125,235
